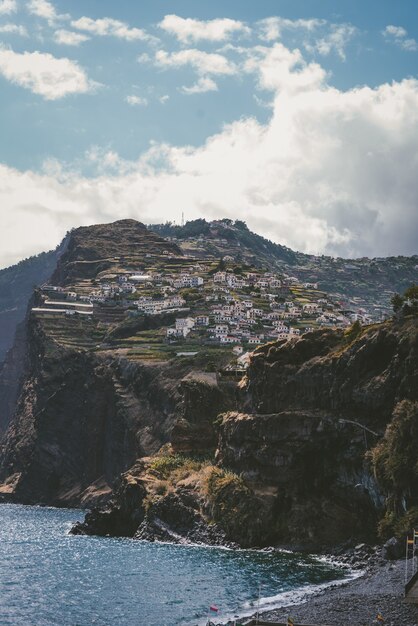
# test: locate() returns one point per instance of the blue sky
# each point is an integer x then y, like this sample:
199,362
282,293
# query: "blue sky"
99,98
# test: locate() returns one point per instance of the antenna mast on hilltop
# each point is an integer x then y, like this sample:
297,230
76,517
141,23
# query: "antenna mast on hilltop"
182,218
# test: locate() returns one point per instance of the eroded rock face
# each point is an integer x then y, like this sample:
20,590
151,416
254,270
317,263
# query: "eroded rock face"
203,399
314,408
292,467
84,417
363,380
309,472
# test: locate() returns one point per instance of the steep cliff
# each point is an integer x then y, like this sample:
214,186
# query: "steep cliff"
294,466
82,418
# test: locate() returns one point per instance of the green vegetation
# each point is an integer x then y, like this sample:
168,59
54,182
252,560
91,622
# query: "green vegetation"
165,465
408,303
235,507
395,464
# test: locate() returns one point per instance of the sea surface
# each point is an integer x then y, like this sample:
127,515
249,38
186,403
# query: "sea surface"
50,577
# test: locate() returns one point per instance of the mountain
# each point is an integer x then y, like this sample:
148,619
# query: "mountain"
16,287
194,388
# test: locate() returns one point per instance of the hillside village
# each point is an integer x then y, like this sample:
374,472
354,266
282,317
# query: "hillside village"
209,303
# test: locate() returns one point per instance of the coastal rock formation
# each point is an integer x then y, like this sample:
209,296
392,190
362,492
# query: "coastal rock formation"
297,470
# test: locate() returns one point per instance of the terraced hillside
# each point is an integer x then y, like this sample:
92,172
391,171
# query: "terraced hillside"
361,283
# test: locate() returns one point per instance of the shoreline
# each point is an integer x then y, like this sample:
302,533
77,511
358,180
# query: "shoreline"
355,602
373,585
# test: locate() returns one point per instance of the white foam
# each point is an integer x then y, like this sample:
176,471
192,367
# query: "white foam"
287,598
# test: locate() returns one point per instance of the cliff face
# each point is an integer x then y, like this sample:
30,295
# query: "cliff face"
11,371
315,409
295,465
358,377
82,418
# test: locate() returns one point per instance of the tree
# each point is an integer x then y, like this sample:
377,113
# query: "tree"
408,303
397,302
411,293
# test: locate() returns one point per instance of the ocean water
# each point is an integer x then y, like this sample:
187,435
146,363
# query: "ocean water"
50,577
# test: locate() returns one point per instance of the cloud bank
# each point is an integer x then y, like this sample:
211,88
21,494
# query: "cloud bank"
332,171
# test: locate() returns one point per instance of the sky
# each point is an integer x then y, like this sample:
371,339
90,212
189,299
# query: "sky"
298,116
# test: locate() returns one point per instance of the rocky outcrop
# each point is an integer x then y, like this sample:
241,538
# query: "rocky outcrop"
293,466
84,417
203,399
361,379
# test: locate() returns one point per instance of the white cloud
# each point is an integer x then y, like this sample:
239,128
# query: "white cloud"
395,31
144,58
7,7
164,99
319,35
282,70
46,10
331,171
189,30
410,44
398,35
107,26
271,28
136,101
203,85
69,38
44,74
335,40
202,62
13,29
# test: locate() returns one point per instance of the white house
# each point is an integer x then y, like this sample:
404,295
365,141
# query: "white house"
140,278
202,320
229,339
185,322
219,277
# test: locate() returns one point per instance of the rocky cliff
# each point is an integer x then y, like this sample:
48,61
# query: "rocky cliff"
107,247
301,463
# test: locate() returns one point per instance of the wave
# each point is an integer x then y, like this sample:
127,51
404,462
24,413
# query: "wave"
300,595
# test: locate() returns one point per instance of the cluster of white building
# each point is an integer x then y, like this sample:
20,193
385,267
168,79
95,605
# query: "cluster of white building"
251,316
